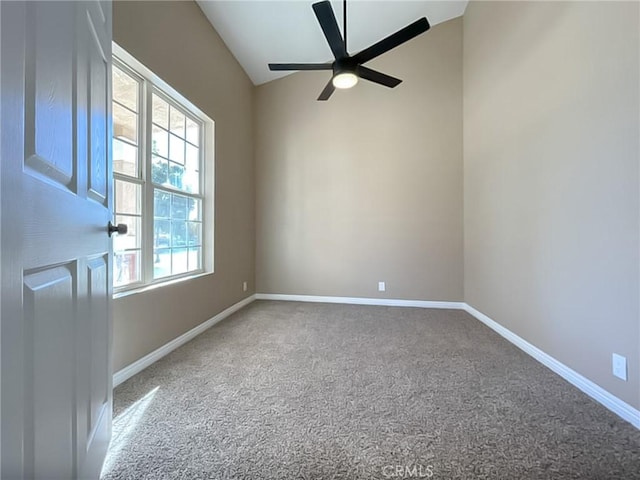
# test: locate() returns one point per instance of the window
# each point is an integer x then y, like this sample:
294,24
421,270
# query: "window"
161,158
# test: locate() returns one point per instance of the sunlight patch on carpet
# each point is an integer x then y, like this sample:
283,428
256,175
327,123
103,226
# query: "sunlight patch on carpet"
122,428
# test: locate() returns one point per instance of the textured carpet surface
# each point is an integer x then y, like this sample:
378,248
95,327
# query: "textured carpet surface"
286,390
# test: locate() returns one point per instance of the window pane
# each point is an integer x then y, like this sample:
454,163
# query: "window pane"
179,263
179,207
194,234
191,182
159,170
176,174
177,122
125,158
193,132
125,124
160,112
125,89
127,197
192,158
161,204
159,142
161,263
126,268
161,233
176,149
195,259
132,239
194,209
178,233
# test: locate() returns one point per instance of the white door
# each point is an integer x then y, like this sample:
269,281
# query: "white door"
55,255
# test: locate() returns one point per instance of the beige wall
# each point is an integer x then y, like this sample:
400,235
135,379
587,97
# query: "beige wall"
551,179
176,41
366,187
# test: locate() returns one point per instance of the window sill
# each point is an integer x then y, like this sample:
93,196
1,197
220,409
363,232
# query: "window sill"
160,284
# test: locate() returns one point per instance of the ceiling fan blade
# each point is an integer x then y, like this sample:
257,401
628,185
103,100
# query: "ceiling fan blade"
328,90
393,40
300,66
329,25
377,77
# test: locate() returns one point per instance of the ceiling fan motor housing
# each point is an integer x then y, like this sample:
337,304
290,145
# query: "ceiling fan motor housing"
345,65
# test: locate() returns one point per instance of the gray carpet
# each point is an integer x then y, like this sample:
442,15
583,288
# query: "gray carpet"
316,391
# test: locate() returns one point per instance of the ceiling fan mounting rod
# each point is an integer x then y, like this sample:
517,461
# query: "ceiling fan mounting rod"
344,18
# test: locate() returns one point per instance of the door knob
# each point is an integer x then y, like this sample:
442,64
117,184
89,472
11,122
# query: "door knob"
120,229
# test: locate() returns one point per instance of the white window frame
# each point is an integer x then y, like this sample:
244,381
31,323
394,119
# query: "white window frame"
150,83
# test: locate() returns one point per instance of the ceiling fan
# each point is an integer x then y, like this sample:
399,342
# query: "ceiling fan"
346,68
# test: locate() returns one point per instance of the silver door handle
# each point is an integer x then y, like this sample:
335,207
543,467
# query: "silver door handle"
120,229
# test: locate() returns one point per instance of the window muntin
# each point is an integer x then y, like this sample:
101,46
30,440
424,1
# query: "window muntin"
158,182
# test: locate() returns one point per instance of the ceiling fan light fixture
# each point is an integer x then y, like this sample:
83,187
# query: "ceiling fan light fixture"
345,80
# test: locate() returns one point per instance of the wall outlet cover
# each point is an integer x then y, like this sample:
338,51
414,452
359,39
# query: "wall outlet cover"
381,286
619,364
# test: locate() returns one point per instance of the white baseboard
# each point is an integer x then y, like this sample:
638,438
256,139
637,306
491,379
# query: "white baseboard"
139,365
388,302
596,392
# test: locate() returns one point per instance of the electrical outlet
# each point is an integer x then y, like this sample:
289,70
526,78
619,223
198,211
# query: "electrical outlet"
381,286
244,286
619,366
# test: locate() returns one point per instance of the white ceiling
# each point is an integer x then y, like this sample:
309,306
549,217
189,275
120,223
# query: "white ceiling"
262,31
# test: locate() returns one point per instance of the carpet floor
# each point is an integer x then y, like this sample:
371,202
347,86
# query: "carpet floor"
284,390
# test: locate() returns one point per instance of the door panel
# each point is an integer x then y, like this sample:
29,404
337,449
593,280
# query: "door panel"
99,68
49,83
49,353
97,291
55,184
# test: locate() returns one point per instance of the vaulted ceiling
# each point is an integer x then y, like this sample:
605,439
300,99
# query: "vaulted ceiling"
261,31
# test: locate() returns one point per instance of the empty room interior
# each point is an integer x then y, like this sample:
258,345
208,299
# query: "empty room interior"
427,266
